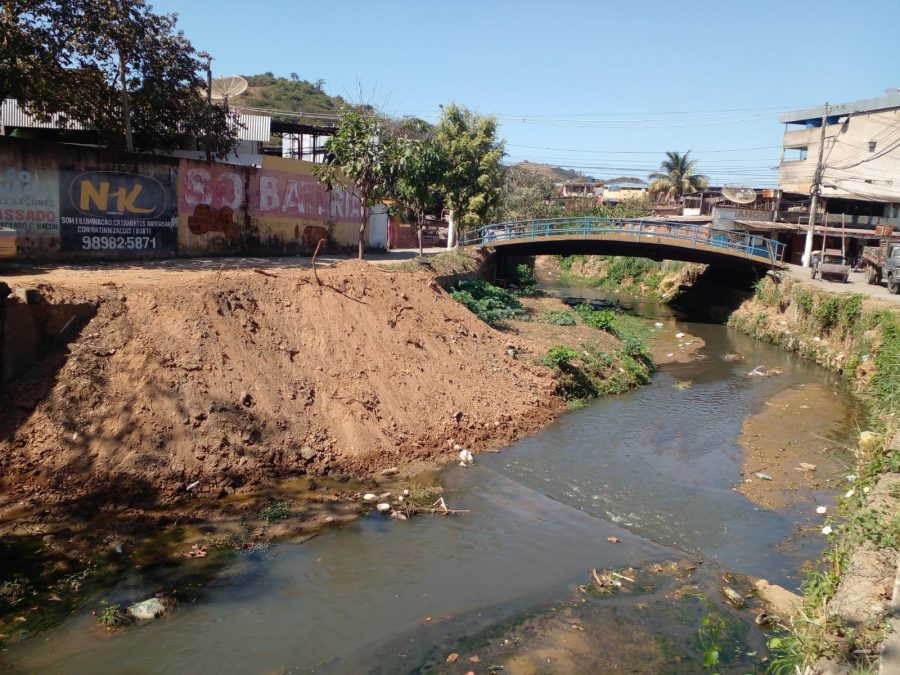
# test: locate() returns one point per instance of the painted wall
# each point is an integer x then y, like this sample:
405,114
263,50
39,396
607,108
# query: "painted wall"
71,202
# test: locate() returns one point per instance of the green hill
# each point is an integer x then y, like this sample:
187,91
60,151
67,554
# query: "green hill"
279,96
554,173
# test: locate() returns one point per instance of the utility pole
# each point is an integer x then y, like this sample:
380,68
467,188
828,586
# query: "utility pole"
814,191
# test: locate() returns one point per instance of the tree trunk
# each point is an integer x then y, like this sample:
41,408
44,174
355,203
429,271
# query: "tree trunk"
362,230
126,108
451,230
421,223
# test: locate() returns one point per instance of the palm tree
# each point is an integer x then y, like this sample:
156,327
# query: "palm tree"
676,177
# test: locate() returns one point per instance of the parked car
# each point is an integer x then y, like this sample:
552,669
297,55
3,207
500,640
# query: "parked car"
8,243
830,264
883,264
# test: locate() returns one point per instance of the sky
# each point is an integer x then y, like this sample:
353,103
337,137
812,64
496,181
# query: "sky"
602,87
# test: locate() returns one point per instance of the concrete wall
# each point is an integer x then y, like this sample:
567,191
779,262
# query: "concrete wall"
851,168
70,202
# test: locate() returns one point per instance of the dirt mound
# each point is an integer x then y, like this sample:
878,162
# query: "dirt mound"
234,379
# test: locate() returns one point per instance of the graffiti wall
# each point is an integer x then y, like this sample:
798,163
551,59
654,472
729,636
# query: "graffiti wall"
70,202
278,208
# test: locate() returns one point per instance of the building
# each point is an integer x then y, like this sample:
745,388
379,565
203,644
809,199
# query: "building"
860,183
258,135
621,190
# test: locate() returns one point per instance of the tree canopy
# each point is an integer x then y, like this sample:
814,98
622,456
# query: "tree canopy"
363,156
75,57
676,177
422,175
472,182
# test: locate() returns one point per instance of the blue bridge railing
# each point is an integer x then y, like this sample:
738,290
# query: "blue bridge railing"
739,244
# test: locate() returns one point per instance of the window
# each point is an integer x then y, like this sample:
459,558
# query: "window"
795,154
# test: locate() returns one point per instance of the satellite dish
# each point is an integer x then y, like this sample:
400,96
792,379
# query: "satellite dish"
225,87
739,194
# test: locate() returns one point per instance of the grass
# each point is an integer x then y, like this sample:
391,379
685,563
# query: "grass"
557,317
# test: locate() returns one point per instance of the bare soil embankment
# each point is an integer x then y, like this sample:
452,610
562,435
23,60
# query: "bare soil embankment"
230,380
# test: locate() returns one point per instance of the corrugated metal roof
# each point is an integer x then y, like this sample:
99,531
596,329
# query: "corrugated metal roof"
255,128
251,128
12,115
864,105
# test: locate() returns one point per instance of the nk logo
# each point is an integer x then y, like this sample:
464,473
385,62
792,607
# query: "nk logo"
118,194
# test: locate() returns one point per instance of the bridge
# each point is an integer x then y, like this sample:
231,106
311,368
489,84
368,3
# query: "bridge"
658,240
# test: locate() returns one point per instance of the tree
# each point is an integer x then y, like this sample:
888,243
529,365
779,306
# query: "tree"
421,178
365,157
115,64
472,183
676,177
525,195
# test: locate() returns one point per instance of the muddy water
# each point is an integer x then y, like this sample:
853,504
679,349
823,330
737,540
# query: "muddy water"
654,468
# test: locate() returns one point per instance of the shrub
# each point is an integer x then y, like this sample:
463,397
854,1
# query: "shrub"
850,312
826,312
523,281
490,303
602,319
559,356
804,300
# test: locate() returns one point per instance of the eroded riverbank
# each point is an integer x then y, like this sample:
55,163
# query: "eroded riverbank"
656,469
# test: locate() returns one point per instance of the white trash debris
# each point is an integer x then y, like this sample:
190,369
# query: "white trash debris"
466,457
146,610
384,506
369,497
827,529
821,509
658,324
759,371
762,476
679,335
849,494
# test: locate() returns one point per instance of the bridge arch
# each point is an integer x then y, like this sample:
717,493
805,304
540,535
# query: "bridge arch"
658,240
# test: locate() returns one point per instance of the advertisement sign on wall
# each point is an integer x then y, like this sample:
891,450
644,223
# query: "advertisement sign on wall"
29,204
108,211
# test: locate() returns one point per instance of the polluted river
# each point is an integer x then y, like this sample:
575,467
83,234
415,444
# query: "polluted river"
601,543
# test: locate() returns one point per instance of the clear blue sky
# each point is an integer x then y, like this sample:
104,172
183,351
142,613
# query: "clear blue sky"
604,87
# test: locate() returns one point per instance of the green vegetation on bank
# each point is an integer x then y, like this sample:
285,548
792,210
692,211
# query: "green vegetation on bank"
639,276
581,373
861,339
490,303
592,372
838,331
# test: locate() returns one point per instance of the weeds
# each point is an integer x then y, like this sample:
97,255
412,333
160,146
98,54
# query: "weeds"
275,512
557,317
111,615
708,635
490,303
602,319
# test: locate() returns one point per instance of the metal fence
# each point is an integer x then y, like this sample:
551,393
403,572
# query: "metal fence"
735,243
